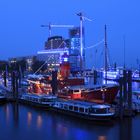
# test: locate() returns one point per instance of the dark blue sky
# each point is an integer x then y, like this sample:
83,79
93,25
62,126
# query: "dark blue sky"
21,34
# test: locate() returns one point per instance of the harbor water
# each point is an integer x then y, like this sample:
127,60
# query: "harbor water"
28,123
22,122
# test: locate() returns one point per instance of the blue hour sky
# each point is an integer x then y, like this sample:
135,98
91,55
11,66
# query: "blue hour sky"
21,34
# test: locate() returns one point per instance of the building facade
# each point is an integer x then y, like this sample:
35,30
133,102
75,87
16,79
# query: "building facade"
75,49
29,60
55,48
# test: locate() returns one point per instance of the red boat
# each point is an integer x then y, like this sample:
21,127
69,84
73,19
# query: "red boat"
70,81
96,93
74,88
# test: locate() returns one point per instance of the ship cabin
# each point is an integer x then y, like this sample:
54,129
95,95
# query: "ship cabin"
76,91
72,107
73,92
38,98
84,108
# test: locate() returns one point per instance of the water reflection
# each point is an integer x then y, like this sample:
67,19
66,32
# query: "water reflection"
15,113
29,123
29,118
39,121
125,129
102,138
23,122
7,112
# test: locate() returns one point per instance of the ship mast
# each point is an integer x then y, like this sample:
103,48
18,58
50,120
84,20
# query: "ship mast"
105,63
124,51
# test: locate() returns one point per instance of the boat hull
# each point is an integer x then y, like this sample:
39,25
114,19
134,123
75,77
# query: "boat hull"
3,100
107,96
104,94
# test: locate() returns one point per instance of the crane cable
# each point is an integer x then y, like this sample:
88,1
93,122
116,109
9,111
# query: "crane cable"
97,44
46,60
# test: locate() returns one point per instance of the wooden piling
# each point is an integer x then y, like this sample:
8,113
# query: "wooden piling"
130,90
13,83
95,77
54,83
121,98
124,85
5,79
17,86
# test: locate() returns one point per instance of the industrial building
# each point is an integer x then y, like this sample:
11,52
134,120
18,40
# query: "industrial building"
57,46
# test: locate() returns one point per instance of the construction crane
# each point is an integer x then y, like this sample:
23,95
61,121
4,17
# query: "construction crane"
82,18
50,26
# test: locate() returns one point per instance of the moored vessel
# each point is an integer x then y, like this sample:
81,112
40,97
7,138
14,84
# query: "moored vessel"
84,110
95,93
42,101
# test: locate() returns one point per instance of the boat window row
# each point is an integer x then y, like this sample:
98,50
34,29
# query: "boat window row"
43,99
31,98
37,99
70,107
99,111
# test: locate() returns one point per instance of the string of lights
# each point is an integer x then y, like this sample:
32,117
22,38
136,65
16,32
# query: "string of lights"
97,44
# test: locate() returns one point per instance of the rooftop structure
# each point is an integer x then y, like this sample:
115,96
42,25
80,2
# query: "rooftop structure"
55,48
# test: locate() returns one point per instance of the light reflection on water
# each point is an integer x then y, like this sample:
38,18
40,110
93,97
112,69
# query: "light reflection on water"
30,123
102,138
29,118
7,112
39,121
